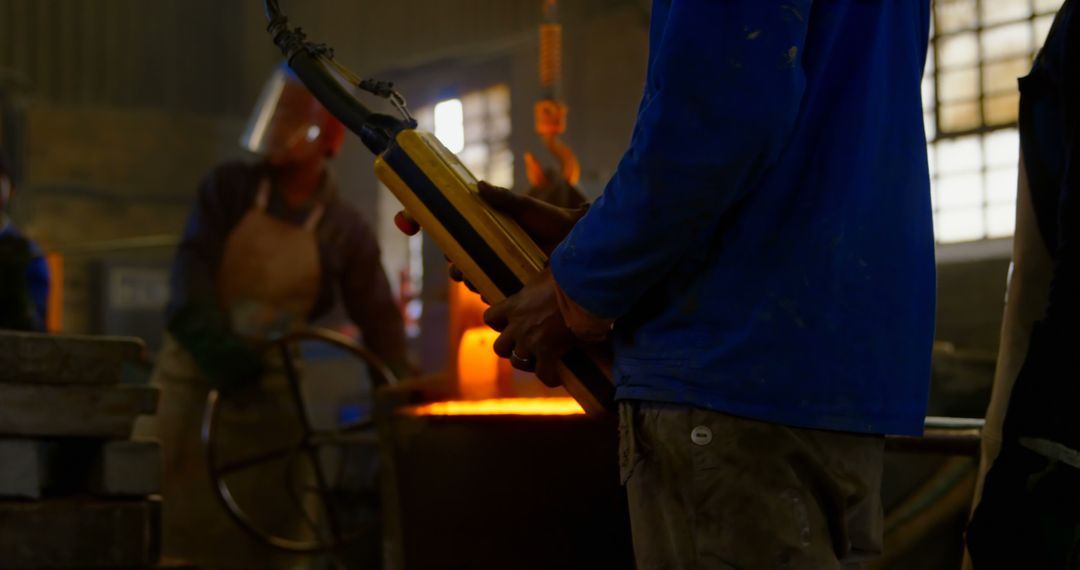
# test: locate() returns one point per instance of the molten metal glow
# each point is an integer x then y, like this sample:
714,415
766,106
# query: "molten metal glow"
501,407
478,365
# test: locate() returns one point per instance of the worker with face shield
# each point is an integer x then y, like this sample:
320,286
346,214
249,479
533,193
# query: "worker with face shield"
268,248
24,274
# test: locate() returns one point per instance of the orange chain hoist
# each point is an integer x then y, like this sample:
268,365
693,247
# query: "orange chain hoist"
550,112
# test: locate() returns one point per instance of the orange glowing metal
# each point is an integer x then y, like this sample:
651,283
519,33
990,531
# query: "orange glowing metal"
470,303
478,365
501,407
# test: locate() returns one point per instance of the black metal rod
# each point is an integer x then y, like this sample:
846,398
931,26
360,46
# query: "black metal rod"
272,9
293,376
329,91
381,375
948,442
324,84
256,460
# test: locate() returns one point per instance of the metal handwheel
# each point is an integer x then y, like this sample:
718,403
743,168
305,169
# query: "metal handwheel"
327,529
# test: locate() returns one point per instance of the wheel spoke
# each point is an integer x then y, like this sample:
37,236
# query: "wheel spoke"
259,459
360,424
356,437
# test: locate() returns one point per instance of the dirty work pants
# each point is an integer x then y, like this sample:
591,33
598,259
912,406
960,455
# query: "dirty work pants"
712,491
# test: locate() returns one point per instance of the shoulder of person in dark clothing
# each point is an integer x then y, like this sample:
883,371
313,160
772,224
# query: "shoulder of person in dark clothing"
362,282
348,221
231,184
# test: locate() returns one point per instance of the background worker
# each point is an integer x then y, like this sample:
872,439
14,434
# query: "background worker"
763,261
268,248
1029,512
24,275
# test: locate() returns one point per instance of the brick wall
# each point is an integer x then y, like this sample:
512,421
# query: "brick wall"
102,175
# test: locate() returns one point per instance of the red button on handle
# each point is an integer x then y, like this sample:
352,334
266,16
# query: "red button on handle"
406,224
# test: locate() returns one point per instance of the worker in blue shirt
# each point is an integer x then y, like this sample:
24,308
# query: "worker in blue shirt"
763,262
24,274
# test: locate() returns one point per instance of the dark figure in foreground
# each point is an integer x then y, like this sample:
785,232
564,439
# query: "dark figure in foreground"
1029,512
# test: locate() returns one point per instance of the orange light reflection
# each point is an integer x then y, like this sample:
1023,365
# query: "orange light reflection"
500,407
478,365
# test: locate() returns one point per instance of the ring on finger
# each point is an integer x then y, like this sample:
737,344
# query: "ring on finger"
526,363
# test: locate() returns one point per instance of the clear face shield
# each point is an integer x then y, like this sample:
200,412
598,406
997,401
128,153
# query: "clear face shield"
287,122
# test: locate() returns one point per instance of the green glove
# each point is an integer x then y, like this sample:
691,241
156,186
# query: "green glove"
225,358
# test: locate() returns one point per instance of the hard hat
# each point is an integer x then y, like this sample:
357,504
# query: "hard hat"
289,125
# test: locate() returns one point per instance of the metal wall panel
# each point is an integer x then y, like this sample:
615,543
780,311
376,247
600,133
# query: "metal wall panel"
162,53
210,56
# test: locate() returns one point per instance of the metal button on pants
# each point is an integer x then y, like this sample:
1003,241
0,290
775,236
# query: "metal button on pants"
701,435
814,495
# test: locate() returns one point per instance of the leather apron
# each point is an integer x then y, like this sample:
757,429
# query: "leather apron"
268,282
269,276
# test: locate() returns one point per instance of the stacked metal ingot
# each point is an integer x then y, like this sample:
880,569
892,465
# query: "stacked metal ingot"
75,490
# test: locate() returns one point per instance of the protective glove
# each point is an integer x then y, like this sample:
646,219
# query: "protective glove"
228,361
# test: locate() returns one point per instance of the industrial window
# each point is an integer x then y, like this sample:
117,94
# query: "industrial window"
476,127
978,50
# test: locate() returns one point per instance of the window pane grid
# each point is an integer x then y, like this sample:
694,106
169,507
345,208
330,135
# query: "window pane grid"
981,47
1027,56
978,49
984,29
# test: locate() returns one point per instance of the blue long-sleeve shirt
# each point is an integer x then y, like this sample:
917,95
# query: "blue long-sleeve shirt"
766,241
34,281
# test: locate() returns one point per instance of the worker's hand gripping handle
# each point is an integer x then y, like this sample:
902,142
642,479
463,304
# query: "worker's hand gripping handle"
489,248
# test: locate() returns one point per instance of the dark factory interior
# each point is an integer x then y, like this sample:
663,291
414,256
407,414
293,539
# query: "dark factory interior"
539,284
